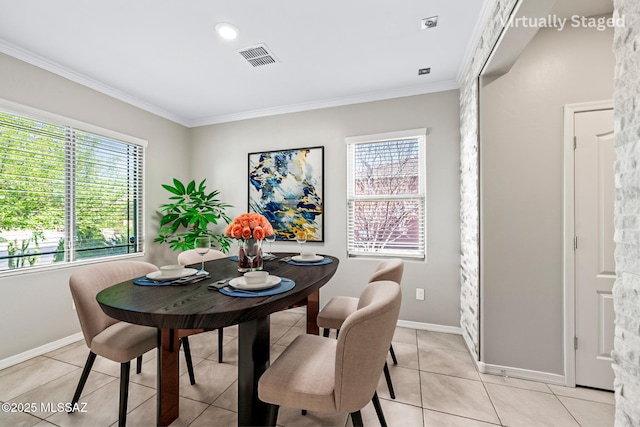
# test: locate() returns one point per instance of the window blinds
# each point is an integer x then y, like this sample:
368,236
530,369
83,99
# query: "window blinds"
386,198
66,194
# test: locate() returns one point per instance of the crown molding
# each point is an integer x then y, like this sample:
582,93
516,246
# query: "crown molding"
328,103
55,68
41,62
481,24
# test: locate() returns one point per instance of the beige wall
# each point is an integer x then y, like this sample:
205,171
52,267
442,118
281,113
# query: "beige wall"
521,193
36,308
219,152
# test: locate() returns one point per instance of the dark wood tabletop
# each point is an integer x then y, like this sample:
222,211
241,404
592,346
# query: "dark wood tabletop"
195,306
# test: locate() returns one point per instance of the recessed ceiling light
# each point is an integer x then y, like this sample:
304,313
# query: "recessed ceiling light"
227,31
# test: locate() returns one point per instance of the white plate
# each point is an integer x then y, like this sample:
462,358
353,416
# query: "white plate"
241,283
157,275
316,258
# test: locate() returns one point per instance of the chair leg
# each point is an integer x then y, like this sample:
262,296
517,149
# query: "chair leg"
83,378
139,364
356,419
272,415
387,376
220,336
376,404
325,332
393,355
124,393
187,357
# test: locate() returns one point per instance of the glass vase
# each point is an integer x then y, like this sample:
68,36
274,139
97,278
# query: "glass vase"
250,255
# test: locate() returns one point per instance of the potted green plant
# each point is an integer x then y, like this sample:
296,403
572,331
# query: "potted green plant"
189,214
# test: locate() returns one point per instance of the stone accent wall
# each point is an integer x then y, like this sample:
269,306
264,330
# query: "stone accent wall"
626,291
470,226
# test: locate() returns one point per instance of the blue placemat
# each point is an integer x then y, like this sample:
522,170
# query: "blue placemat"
323,262
284,286
143,281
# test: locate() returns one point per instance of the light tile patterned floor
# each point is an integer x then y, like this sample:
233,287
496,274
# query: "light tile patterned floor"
436,385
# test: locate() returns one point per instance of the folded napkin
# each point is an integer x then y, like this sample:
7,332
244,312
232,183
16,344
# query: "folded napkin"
145,281
282,287
323,262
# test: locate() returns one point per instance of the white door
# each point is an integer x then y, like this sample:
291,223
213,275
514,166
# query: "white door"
594,259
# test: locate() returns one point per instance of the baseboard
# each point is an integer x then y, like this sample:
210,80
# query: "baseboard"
407,324
507,371
485,368
430,327
523,374
39,351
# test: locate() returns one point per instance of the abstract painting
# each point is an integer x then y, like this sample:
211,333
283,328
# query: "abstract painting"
286,186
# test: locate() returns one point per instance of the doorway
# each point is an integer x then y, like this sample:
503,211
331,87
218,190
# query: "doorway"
589,247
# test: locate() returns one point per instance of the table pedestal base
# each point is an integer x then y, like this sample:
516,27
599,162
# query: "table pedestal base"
168,377
253,344
253,354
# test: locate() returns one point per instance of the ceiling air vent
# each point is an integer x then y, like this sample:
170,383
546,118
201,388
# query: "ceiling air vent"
258,55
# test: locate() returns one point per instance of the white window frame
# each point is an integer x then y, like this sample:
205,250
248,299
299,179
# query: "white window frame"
44,116
420,135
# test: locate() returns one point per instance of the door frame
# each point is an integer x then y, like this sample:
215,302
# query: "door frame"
569,234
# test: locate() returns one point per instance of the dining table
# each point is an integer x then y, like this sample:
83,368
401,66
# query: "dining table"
201,305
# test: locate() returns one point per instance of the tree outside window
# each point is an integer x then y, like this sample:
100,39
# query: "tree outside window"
65,194
386,195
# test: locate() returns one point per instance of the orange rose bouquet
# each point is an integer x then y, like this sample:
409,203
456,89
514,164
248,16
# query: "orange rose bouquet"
249,226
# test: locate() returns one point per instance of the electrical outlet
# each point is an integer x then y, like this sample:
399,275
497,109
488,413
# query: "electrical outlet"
420,294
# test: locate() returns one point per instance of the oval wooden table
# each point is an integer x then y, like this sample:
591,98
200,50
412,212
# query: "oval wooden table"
195,306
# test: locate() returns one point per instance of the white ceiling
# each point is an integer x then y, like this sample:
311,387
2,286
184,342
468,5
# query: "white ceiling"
165,57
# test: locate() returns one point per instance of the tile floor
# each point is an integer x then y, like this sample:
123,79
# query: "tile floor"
435,381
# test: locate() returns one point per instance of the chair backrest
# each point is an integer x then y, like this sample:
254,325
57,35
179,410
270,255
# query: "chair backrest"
190,256
390,269
87,282
363,344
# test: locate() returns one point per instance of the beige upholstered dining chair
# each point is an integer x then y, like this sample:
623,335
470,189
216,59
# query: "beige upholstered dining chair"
333,315
327,375
189,257
107,337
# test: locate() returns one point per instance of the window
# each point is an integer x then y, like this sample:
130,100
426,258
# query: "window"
386,194
67,191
